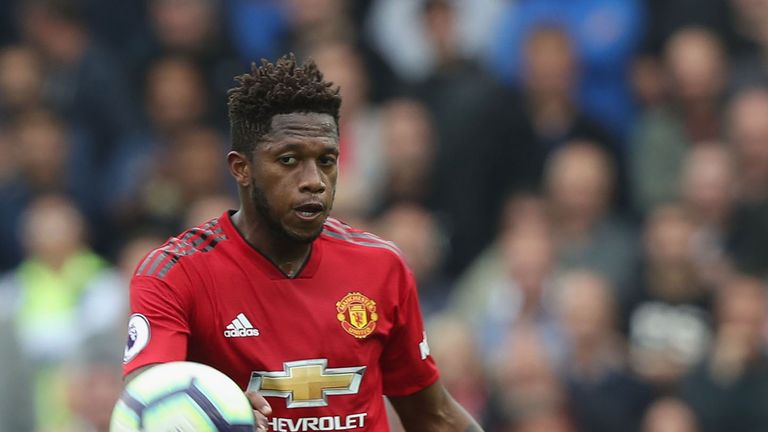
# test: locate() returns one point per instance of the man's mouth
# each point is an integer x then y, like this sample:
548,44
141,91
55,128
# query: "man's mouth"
309,211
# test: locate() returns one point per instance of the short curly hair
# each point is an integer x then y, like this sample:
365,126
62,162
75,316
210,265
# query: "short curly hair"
280,88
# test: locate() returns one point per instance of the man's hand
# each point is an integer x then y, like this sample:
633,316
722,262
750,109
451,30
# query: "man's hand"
261,410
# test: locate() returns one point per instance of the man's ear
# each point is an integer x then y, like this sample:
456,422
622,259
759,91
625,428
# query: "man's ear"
239,167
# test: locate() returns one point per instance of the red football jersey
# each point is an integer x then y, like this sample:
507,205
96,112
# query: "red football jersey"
323,347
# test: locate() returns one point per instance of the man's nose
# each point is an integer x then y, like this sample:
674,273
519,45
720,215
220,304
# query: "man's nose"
311,179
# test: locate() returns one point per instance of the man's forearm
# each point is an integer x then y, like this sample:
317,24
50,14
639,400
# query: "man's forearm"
433,410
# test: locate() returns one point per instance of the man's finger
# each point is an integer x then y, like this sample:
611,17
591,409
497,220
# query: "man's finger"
259,403
261,422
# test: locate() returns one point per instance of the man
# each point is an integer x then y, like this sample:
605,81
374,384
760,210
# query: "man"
295,306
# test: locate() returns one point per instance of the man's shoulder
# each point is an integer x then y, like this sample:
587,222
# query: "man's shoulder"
195,243
357,241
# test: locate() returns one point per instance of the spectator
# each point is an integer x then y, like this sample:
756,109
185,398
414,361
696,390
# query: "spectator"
54,305
605,34
527,395
409,148
522,212
467,106
579,181
708,192
748,43
313,22
748,134
404,32
208,207
695,60
669,320
729,389
175,101
650,86
84,84
513,291
603,393
548,79
162,194
191,29
41,148
21,80
666,17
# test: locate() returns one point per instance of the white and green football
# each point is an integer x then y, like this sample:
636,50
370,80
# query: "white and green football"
182,397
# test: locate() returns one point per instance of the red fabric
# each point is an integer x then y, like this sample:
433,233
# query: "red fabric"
203,291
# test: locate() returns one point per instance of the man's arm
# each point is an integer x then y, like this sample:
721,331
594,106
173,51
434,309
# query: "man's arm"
433,410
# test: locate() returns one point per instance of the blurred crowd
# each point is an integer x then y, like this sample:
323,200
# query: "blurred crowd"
579,186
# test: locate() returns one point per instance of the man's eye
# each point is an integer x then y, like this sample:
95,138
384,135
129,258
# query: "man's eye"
287,160
328,161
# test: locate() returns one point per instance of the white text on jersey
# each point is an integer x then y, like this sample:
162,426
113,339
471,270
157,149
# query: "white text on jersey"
330,423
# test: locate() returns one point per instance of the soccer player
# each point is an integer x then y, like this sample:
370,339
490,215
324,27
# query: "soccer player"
300,309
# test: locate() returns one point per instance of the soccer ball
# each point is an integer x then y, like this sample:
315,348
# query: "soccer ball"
182,397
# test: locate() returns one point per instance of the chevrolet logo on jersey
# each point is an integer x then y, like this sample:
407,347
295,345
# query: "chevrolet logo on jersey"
307,383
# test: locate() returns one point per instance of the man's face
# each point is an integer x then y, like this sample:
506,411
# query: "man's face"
294,172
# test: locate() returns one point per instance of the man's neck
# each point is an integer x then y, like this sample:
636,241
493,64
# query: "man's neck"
287,254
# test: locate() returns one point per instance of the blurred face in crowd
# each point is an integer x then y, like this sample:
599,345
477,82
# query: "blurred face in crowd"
440,24
648,82
741,312
60,37
528,255
708,182
42,150
199,166
669,415
306,14
586,309
341,65
176,95
408,143
748,132
53,230
696,63
668,236
407,133
208,207
527,211
750,17
579,180
526,379
549,63
21,78
415,232
183,25
134,251
452,345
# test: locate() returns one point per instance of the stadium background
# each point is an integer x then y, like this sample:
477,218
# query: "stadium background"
580,186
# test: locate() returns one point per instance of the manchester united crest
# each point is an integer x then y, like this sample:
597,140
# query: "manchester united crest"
357,314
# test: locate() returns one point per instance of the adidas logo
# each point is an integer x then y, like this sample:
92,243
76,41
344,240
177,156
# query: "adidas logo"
240,327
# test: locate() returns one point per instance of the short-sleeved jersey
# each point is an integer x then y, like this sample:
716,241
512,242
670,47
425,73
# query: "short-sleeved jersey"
323,347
